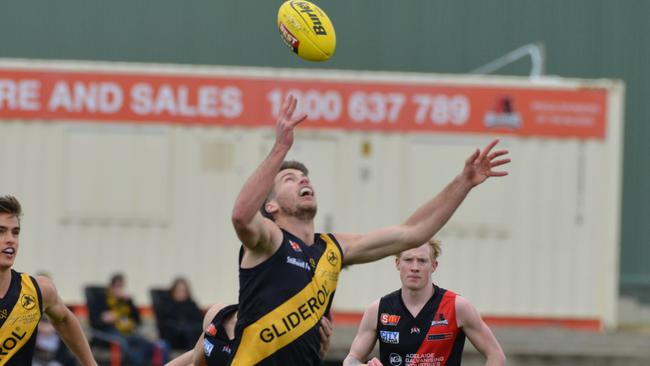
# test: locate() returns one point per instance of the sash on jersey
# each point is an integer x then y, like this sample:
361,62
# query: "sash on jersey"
294,317
21,322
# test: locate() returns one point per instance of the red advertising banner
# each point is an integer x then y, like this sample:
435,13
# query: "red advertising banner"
255,101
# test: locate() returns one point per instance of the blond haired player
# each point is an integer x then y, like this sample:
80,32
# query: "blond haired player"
421,324
24,299
288,273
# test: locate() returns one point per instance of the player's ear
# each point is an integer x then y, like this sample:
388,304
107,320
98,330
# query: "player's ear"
397,262
434,264
271,207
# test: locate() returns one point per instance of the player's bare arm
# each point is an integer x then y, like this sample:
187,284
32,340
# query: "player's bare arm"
183,360
430,217
256,232
365,339
65,323
196,356
479,333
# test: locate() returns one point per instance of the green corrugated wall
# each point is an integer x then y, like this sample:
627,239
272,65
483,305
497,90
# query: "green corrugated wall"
582,38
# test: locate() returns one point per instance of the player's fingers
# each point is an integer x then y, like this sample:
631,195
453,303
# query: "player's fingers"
298,120
472,157
285,106
497,154
498,174
499,162
292,106
326,325
489,147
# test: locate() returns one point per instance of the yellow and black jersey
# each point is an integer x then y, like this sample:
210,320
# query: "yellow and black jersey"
282,300
20,311
217,347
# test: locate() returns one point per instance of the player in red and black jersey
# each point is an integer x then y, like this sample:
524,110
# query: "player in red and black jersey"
421,324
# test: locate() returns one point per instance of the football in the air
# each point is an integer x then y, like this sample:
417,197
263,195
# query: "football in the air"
307,30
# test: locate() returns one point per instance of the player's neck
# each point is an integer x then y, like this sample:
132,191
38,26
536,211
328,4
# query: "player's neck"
5,281
302,229
417,298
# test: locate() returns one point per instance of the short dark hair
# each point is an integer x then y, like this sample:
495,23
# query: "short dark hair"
10,205
115,278
287,164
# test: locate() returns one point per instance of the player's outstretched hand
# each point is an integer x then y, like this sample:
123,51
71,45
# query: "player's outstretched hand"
478,167
287,121
325,331
374,362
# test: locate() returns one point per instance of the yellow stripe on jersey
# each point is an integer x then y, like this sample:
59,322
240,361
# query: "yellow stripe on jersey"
21,322
295,316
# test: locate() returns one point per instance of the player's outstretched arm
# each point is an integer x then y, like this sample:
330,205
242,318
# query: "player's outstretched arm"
430,217
479,333
183,360
65,323
365,339
252,228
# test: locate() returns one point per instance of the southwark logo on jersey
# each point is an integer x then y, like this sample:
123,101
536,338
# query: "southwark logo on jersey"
389,319
389,337
415,330
441,321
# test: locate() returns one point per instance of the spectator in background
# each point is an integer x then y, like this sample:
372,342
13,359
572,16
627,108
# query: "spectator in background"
180,319
119,322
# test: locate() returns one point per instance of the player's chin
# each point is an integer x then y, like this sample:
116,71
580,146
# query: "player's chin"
413,284
307,209
6,263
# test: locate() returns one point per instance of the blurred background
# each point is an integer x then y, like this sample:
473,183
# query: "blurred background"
555,256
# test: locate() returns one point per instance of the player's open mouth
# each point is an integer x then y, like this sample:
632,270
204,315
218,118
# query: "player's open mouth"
9,251
306,191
